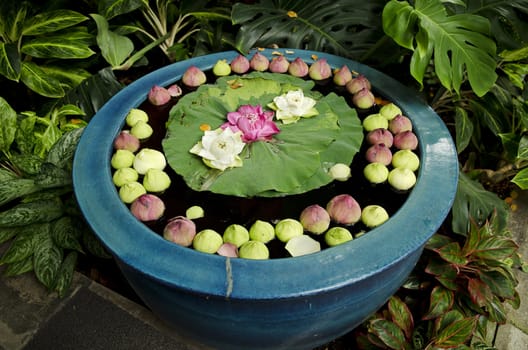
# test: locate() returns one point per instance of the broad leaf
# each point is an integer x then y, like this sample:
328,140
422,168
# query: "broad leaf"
446,319
52,21
65,274
69,77
115,48
47,258
401,315
452,253
497,311
457,333
464,129
500,283
23,245
73,45
440,301
8,120
37,80
16,188
10,61
112,8
444,272
389,333
6,233
479,292
495,248
51,176
19,267
62,151
437,241
521,179
66,234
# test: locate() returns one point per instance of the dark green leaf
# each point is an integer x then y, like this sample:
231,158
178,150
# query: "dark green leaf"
37,80
47,260
7,174
457,333
464,129
521,179
389,333
112,8
29,213
70,76
495,248
25,136
47,139
452,254
445,272
500,283
13,14
6,233
10,61
516,73
16,188
28,164
62,151
66,234
64,46
8,120
496,310
438,241
65,274
19,267
52,21
93,245
441,301
479,291
447,319
51,176
115,48
522,152
401,315
23,244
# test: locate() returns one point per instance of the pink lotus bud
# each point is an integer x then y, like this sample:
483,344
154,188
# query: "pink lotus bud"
363,99
379,154
357,84
240,64
158,95
147,207
298,68
315,219
259,62
180,230
380,135
175,90
320,70
279,64
342,76
125,140
194,77
405,140
228,250
400,123
344,209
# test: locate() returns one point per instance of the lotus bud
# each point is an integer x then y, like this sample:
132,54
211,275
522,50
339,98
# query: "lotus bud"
357,84
298,68
363,99
344,209
130,191
337,235
374,215
405,140
240,64
142,130
279,64
124,175
180,230
259,62
158,95
194,212
147,207
399,124
379,154
380,135
340,172
286,229
406,158
320,70
390,111
315,219
148,158
194,77
236,234
302,245
221,68
376,173
228,250
122,158
156,180
402,179
375,121
255,250
261,231
342,76
207,241
135,115
175,90
125,140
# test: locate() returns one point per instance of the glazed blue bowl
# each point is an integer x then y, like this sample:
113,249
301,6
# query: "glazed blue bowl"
287,303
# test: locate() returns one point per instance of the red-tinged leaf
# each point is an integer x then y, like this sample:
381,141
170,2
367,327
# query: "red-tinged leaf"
448,283
447,319
500,282
473,238
401,315
496,311
452,253
479,291
457,333
440,302
437,241
439,267
495,248
389,333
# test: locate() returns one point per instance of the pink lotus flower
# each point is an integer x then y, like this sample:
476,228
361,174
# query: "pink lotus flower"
254,123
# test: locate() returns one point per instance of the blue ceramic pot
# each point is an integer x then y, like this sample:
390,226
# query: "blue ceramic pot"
288,303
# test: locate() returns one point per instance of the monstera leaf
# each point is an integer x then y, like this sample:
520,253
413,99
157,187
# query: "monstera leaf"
344,28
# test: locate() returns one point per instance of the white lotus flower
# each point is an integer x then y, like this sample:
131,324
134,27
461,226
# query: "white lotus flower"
220,148
293,105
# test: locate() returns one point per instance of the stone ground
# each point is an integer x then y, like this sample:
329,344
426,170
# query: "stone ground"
94,317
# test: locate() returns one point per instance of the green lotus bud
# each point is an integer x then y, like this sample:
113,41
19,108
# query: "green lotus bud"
194,212
147,207
261,231
228,250
142,130
302,245
375,121
130,191
194,77
315,219
399,124
259,62
253,250
342,76
363,99
378,136
376,173
379,154
122,158
402,179
286,229
320,70
240,64
357,84
221,68
374,215
180,230
298,68
148,158
406,158
125,140
156,180
124,175
344,209
236,234
337,235
207,241
340,172
279,64
406,140
135,115
390,110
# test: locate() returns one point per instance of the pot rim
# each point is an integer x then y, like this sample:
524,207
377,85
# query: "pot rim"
138,247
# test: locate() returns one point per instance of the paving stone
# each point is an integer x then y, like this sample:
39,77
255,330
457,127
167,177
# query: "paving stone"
510,337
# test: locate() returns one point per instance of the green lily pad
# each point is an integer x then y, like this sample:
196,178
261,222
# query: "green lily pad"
295,161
